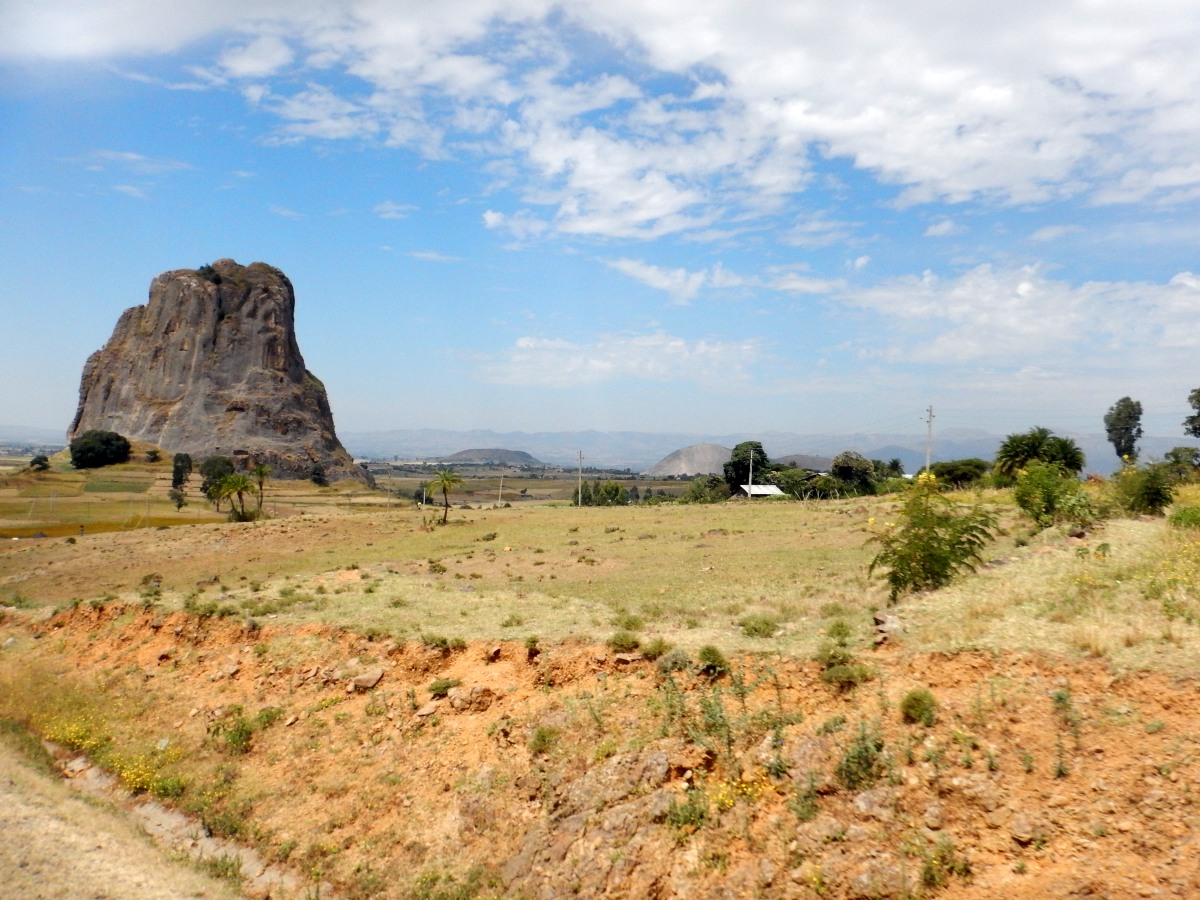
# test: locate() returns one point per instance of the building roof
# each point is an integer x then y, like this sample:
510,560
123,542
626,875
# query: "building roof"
761,490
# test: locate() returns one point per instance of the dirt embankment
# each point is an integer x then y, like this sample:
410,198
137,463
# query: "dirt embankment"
578,771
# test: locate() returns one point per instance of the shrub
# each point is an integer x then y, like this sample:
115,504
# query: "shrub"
94,449
40,463
1144,491
1186,517
861,764
441,687
1043,490
919,707
691,814
712,661
543,739
655,649
935,540
674,661
624,642
759,626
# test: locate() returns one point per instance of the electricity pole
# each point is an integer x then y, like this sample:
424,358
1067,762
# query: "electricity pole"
928,436
579,502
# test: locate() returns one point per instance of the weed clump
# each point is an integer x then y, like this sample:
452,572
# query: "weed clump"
674,661
543,739
712,661
759,626
655,649
919,707
861,764
839,667
624,642
1185,517
441,687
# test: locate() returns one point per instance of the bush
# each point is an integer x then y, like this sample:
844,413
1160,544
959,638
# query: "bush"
40,463
1043,490
674,661
935,540
1144,491
759,626
94,449
861,764
656,649
919,707
712,661
624,642
1186,517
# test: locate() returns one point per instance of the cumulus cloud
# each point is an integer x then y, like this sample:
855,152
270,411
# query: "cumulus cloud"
1016,316
681,284
682,117
941,228
557,363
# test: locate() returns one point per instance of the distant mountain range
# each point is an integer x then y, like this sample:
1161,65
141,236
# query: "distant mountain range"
493,457
639,451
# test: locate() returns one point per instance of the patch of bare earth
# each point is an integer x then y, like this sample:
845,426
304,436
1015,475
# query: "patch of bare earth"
56,845
578,771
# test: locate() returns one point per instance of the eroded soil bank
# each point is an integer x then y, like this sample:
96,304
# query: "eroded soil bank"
578,770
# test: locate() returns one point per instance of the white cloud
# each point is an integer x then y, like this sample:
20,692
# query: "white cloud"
796,283
134,162
1054,232
261,57
1018,316
433,256
391,210
1104,104
285,212
681,284
556,363
941,228
130,191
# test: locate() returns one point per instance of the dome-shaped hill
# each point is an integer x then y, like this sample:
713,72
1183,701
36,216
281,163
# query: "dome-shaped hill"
492,456
698,459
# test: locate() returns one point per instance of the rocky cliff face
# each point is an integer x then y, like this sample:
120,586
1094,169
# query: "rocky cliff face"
210,366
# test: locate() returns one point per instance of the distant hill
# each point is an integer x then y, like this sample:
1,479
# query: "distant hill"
698,459
805,461
493,456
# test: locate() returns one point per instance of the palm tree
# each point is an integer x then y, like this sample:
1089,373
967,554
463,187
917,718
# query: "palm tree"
1019,450
260,474
445,480
238,485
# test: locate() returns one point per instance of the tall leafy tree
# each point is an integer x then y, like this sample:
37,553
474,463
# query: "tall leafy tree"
737,470
1123,424
213,470
181,468
1018,450
445,480
855,470
1191,425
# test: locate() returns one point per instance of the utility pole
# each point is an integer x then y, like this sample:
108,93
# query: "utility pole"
750,486
500,495
579,502
928,436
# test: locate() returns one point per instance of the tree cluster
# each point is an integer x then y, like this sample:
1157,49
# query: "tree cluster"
94,449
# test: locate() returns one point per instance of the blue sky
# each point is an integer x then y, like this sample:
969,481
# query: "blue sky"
703,217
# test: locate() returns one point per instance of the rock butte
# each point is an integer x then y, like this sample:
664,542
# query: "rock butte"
210,366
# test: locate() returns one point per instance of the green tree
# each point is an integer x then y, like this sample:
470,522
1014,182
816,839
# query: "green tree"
181,468
318,477
40,463
260,473
212,471
634,494
97,448
855,471
1191,425
1182,462
178,497
933,540
236,485
737,470
706,489
445,480
1123,424
1018,450
958,473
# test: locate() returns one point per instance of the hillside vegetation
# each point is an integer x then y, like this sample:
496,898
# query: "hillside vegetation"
628,701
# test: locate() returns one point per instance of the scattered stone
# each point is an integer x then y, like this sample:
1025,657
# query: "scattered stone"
1022,829
934,817
368,679
427,710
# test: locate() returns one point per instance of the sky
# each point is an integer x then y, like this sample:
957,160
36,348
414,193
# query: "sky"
705,217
